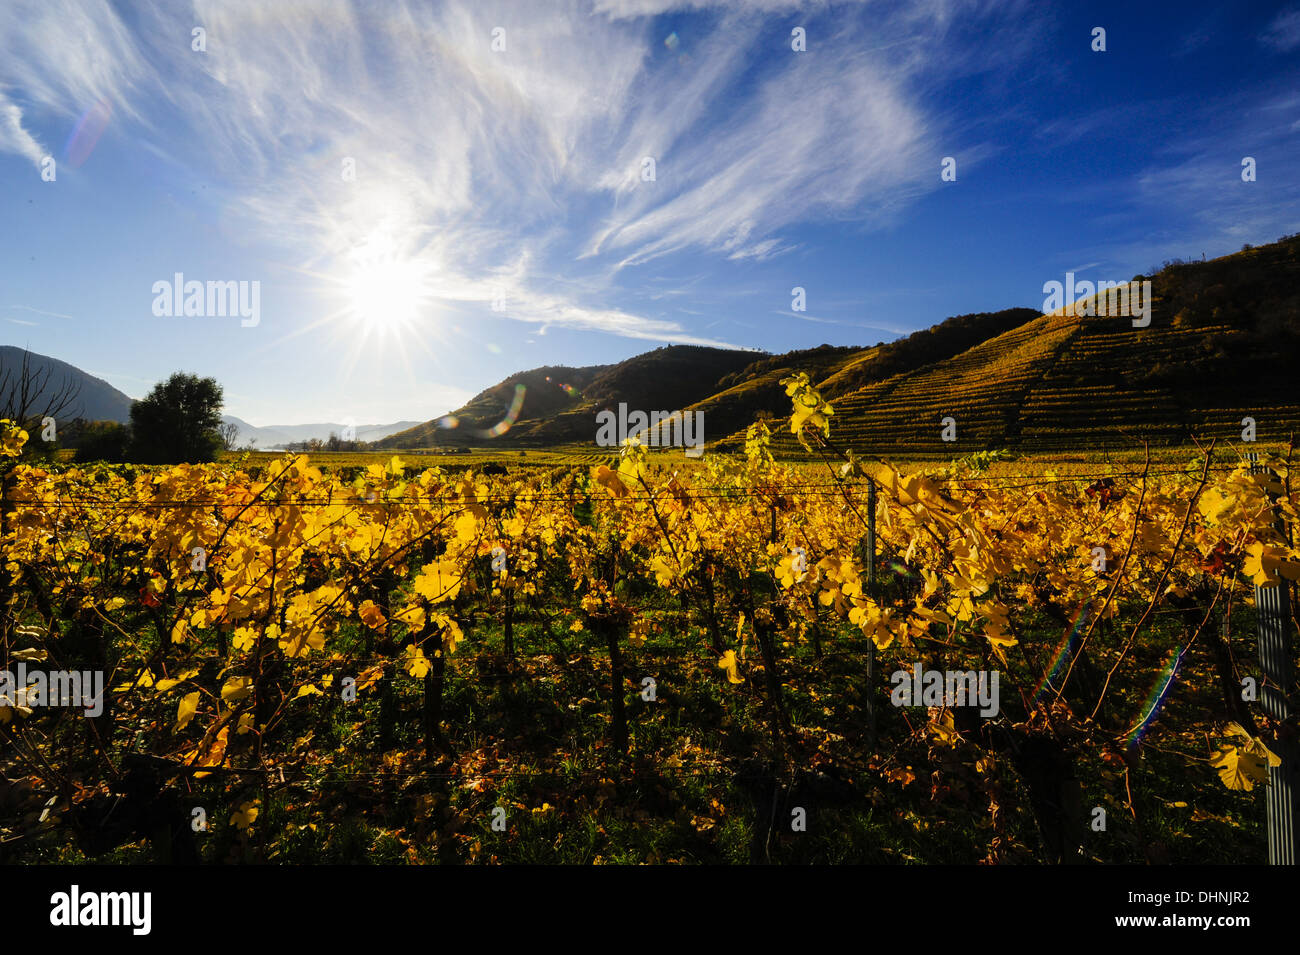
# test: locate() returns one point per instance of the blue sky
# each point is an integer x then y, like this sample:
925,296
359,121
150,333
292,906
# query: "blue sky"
514,177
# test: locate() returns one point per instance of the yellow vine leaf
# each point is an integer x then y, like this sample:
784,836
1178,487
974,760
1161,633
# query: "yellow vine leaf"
237,688
144,680
610,481
728,664
243,638
245,815
1264,564
417,664
1238,768
162,686
12,439
371,615
189,705
413,616
466,528
662,570
1254,744
211,751
438,581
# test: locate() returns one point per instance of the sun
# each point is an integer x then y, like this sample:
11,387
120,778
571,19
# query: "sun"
388,294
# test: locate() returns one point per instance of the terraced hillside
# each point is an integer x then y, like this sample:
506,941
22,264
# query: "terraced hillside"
1223,344
755,391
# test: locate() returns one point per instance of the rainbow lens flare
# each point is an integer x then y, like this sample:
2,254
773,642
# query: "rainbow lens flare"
1064,654
1156,699
85,135
569,390
512,415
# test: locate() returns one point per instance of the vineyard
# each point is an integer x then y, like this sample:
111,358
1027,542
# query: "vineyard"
637,661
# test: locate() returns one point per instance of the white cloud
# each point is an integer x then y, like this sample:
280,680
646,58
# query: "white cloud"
13,137
514,170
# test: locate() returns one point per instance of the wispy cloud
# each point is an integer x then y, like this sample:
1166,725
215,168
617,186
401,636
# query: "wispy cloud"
512,171
804,317
830,134
38,311
1283,33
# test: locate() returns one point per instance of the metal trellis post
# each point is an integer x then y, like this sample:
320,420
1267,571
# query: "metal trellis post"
1275,660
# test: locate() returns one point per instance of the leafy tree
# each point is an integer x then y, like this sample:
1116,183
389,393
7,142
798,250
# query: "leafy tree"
177,422
99,441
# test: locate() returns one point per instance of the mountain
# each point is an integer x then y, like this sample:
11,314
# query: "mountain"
277,436
1223,344
95,399
731,387
558,405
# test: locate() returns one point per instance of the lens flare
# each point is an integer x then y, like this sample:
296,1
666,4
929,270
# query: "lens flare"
85,135
512,415
1156,699
902,570
569,390
1064,654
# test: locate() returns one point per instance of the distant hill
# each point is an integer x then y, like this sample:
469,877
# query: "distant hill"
543,392
731,387
96,399
1223,344
276,436
559,404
